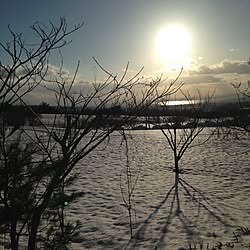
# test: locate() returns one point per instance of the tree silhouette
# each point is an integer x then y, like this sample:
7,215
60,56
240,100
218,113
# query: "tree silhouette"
67,141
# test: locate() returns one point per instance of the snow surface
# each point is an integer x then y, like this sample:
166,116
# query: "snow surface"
214,195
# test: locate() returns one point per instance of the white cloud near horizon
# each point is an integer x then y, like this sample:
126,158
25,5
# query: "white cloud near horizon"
218,77
232,50
225,67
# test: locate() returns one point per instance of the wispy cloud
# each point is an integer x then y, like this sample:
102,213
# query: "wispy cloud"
232,50
201,79
51,71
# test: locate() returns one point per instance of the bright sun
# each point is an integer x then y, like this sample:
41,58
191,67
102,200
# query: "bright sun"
173,45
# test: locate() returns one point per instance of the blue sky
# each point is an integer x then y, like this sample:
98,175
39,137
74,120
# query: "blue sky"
118,31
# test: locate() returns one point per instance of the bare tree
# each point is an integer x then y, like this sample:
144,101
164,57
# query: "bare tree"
24,65
128,180
182,132
83,131
241,121
244,91
86,125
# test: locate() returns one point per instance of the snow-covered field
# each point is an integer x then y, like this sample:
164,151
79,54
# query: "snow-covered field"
213,195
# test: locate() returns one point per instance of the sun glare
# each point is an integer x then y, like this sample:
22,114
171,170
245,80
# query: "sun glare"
173,45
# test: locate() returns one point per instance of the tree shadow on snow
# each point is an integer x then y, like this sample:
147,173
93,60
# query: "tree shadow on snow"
200,202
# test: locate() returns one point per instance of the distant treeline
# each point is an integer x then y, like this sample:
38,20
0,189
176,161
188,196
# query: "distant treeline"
210,110
19,114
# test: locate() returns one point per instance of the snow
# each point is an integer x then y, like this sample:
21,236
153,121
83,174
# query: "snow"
213,195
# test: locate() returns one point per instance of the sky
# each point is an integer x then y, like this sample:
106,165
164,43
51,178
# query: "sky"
209,38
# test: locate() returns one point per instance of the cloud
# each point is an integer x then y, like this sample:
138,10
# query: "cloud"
46,92
52,71
55,70
225,67
201,79
216,77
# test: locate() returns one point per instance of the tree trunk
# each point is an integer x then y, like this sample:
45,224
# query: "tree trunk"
36,218
177,172
176,164
178,209
13,235
34,228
